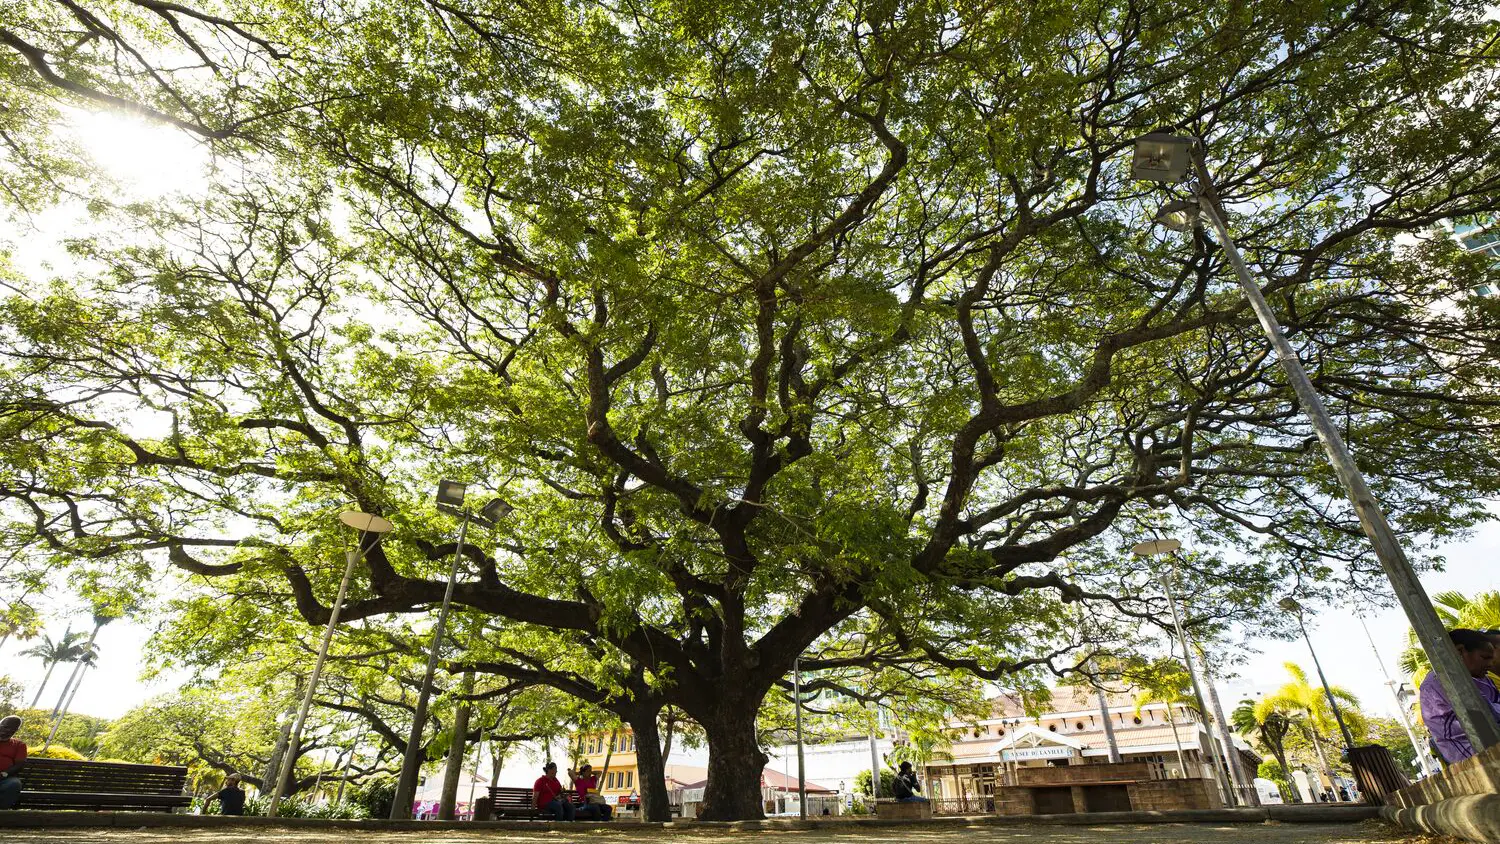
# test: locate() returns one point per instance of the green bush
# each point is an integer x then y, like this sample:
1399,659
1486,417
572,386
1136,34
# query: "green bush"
887,783
58,751
1271,770
374,795
296,807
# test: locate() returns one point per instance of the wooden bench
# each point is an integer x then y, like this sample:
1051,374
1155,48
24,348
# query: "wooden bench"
96,786
516,803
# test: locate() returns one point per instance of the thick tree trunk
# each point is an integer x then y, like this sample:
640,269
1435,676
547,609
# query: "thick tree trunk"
650,768
735,766
283,736
455,765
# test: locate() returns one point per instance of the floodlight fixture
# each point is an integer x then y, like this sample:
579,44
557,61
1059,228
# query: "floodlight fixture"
491,513
450,494
1179,215
1162,157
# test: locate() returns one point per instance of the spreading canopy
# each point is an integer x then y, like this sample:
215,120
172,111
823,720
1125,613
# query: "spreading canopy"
775,322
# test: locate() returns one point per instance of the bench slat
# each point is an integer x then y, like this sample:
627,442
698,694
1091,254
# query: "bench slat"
72,784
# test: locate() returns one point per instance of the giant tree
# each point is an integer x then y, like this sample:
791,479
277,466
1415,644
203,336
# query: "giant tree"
772,320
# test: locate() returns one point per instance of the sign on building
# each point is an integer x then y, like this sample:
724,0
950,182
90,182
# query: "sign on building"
1020,754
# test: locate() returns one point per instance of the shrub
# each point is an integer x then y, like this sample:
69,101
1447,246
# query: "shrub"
58,751
374,796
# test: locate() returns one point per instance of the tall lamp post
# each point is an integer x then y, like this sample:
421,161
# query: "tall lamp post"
367,525
1163,157
801,769
1290,605
450,499
1400,704
1167,547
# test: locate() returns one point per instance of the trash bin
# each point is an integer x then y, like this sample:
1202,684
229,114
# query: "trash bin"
1376,773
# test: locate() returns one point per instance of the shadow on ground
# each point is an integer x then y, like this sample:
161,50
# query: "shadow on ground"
1265,833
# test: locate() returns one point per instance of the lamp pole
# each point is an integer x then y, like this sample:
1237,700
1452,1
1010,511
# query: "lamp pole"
1187,658
1472,712
1400,707
366,524
450,498
1291,606
801,769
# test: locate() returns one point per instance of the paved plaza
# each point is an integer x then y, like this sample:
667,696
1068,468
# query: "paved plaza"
1268,833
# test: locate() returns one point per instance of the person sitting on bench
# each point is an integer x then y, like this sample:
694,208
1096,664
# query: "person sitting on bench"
547,795
12,756
906,785
586,782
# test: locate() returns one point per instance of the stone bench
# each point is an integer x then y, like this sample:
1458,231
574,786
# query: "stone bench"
897,810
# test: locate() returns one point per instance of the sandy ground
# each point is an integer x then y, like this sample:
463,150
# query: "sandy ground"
1269,833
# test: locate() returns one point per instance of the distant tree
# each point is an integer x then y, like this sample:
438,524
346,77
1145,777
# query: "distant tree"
1274,771
1268,726
887,782
1455,609
1317,723
1392,735
10,694
71,647
79,732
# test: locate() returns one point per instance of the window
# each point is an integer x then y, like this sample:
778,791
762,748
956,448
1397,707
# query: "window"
612,776
630,779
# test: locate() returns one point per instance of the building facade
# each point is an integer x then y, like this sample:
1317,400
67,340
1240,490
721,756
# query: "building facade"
1168,742
1480,237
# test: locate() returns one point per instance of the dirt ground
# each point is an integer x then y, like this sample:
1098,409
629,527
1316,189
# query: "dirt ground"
1270,833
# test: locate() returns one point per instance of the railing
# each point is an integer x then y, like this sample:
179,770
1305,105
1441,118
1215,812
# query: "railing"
969,804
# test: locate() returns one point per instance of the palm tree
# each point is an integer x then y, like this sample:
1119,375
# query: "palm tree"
1163,681
1454,609
70,648
1270,727
88,659
1301,696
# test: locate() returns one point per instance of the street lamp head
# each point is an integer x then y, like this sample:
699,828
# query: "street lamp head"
364,522
1179,215
450,494
1290,605
1161,157
1155,547
494,511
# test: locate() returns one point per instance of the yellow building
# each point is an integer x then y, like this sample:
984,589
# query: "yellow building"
622,779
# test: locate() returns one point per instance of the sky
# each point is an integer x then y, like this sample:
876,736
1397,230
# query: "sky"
150,161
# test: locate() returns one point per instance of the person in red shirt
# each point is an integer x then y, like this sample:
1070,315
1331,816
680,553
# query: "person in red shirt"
12,756
547,793
586,783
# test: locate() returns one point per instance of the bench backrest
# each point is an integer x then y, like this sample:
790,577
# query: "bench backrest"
502,795
101,777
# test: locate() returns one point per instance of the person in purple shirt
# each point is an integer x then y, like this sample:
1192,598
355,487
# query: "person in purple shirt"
1477,653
